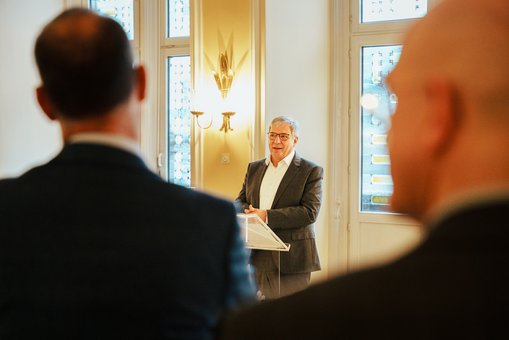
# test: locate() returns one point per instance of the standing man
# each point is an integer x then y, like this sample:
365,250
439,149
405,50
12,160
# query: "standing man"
285,190
449,147
93,245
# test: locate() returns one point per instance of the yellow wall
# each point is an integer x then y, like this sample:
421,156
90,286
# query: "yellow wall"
227,18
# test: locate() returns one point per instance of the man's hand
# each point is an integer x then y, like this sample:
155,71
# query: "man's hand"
261,213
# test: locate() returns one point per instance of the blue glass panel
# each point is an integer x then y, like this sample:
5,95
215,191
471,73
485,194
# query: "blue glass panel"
392,10
178,21
377,106
120,10
179,120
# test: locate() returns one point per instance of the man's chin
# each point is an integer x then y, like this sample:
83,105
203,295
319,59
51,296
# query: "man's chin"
397,205
404,206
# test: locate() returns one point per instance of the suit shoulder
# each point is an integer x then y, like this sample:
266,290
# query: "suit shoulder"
310,164
12,190
258,162
7,183
198,199
13,183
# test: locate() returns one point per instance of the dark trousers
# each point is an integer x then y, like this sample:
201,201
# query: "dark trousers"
270,282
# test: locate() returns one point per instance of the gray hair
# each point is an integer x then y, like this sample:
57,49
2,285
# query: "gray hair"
292,123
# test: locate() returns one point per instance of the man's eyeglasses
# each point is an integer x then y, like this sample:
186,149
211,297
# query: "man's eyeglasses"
282,136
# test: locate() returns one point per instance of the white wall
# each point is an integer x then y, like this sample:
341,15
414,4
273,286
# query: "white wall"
26,136
297,85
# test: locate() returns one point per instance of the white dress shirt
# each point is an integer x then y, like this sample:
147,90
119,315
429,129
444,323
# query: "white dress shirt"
272,179
116,141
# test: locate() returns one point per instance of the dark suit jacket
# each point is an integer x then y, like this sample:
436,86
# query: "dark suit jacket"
455,285
93,245
293,212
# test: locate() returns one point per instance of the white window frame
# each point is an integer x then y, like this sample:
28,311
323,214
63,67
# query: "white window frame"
348,36
151,48
173,47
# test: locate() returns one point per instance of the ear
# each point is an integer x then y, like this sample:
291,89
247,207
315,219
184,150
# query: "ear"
442,115
141,82
295,140
45,103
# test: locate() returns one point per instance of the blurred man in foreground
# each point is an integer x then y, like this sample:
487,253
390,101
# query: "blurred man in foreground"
93,244
449,147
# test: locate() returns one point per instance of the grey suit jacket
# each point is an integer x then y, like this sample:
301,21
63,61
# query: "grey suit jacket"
293,212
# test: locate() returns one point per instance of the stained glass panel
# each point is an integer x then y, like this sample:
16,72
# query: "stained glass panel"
392,10
178,21
120,10
377,104
179,120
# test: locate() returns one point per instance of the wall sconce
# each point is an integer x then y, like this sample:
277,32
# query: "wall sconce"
223,75
226,126
226,121
197,115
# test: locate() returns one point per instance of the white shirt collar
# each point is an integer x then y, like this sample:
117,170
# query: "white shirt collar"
287,160
108,139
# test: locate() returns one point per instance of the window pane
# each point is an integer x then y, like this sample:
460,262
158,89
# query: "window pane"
390,10
120,10
179,120
377,105
178,18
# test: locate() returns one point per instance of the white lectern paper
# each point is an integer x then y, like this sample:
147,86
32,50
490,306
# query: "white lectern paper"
258,235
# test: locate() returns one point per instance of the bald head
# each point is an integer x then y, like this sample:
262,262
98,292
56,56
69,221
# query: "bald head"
452,117
466,41
85,64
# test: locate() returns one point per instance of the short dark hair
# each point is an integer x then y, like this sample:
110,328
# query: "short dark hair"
85,63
